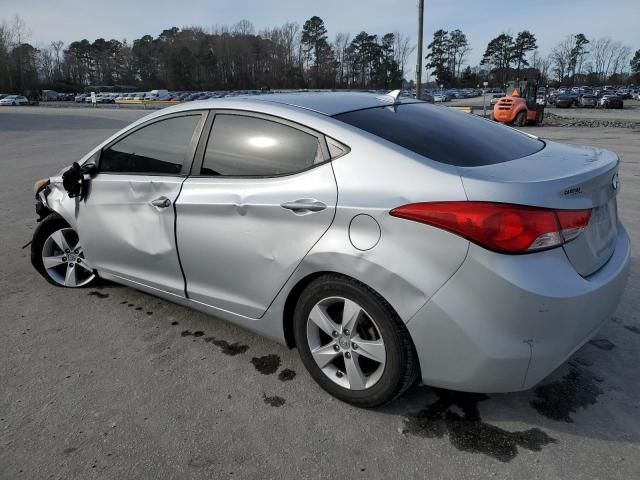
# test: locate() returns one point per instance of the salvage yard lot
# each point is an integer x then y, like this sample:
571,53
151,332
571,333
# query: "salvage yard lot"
108,382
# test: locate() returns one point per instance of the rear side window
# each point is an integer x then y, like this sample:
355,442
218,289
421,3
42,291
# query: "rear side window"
443,134
160,148
250,146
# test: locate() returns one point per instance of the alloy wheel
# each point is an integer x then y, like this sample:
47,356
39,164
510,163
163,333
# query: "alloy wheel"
346,343
63,259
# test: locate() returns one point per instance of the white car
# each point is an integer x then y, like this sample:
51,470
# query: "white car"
14,100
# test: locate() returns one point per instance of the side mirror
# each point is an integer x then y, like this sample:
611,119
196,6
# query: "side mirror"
76,179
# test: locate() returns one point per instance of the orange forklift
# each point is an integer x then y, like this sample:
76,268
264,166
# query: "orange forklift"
519,106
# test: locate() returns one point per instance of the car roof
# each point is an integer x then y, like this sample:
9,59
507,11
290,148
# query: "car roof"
326,103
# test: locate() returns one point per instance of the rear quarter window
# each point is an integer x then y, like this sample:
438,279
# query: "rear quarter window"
443,134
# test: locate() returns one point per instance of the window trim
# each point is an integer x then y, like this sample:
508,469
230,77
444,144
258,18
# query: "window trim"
206,136
195,139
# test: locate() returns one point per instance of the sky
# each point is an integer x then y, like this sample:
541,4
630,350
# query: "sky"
549,20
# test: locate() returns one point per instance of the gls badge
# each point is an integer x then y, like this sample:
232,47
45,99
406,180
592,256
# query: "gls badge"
615,182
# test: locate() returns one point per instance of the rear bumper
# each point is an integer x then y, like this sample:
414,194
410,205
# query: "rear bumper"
503,323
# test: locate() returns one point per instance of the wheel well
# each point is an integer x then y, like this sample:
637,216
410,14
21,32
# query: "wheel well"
294,295
290,306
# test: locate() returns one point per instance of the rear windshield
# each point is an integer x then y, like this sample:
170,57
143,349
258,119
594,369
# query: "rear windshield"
443,134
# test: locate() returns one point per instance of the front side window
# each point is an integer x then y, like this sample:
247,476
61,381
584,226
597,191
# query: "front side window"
161,148
249,146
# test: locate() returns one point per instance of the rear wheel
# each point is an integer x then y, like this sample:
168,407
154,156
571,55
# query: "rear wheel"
353,343
56,253
521,119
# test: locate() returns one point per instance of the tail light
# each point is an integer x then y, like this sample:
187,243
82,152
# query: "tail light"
500,227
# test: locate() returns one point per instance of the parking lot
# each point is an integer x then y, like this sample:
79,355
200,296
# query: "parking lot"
108,382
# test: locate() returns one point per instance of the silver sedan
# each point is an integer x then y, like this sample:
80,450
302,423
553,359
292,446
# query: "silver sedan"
389,240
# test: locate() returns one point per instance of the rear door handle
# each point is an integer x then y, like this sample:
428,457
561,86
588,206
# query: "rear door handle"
304,205
162,202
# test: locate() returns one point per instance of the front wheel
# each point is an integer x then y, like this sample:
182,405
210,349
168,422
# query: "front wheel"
56,253
353,343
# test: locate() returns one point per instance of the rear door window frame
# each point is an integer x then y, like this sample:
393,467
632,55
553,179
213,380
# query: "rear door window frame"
205,137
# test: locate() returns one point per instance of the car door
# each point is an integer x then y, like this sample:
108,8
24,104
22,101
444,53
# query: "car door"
127,221
262,194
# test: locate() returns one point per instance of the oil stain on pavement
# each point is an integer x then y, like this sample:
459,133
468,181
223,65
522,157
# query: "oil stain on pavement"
98,294
266,365
557,400
467,432
286,375
227,348
274,401
632,328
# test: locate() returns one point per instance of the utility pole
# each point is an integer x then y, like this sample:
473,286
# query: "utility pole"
419,63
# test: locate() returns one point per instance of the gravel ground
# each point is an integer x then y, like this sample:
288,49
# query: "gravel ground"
108,382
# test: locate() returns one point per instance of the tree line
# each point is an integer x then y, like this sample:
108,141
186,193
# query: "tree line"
294,56
222,58
576,60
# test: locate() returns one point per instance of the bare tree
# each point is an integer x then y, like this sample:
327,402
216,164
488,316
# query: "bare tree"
619,57
601,55
291,38
243,27
19,30
402,49
561,57
340,44
56,48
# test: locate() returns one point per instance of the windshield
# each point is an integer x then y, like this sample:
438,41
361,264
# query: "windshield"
443,134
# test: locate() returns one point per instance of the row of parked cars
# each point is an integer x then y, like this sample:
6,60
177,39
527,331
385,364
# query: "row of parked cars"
440,95
13,99
164,95
589,97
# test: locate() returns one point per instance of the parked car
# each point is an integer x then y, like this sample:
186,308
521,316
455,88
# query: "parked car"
611,101
157,95
265,218
588,101
564,101
105,98
495,97
624,93
14,100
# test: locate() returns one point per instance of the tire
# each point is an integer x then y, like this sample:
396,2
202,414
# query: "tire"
521,119
540,118
68,269
386,380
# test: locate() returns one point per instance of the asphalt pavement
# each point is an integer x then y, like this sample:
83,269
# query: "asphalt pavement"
108,382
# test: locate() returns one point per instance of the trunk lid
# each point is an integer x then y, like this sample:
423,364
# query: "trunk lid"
560,177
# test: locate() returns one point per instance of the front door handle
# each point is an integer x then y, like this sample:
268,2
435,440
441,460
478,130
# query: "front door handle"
162,202
304,205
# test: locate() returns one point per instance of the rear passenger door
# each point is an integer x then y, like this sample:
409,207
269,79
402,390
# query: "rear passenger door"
260,197
127,221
